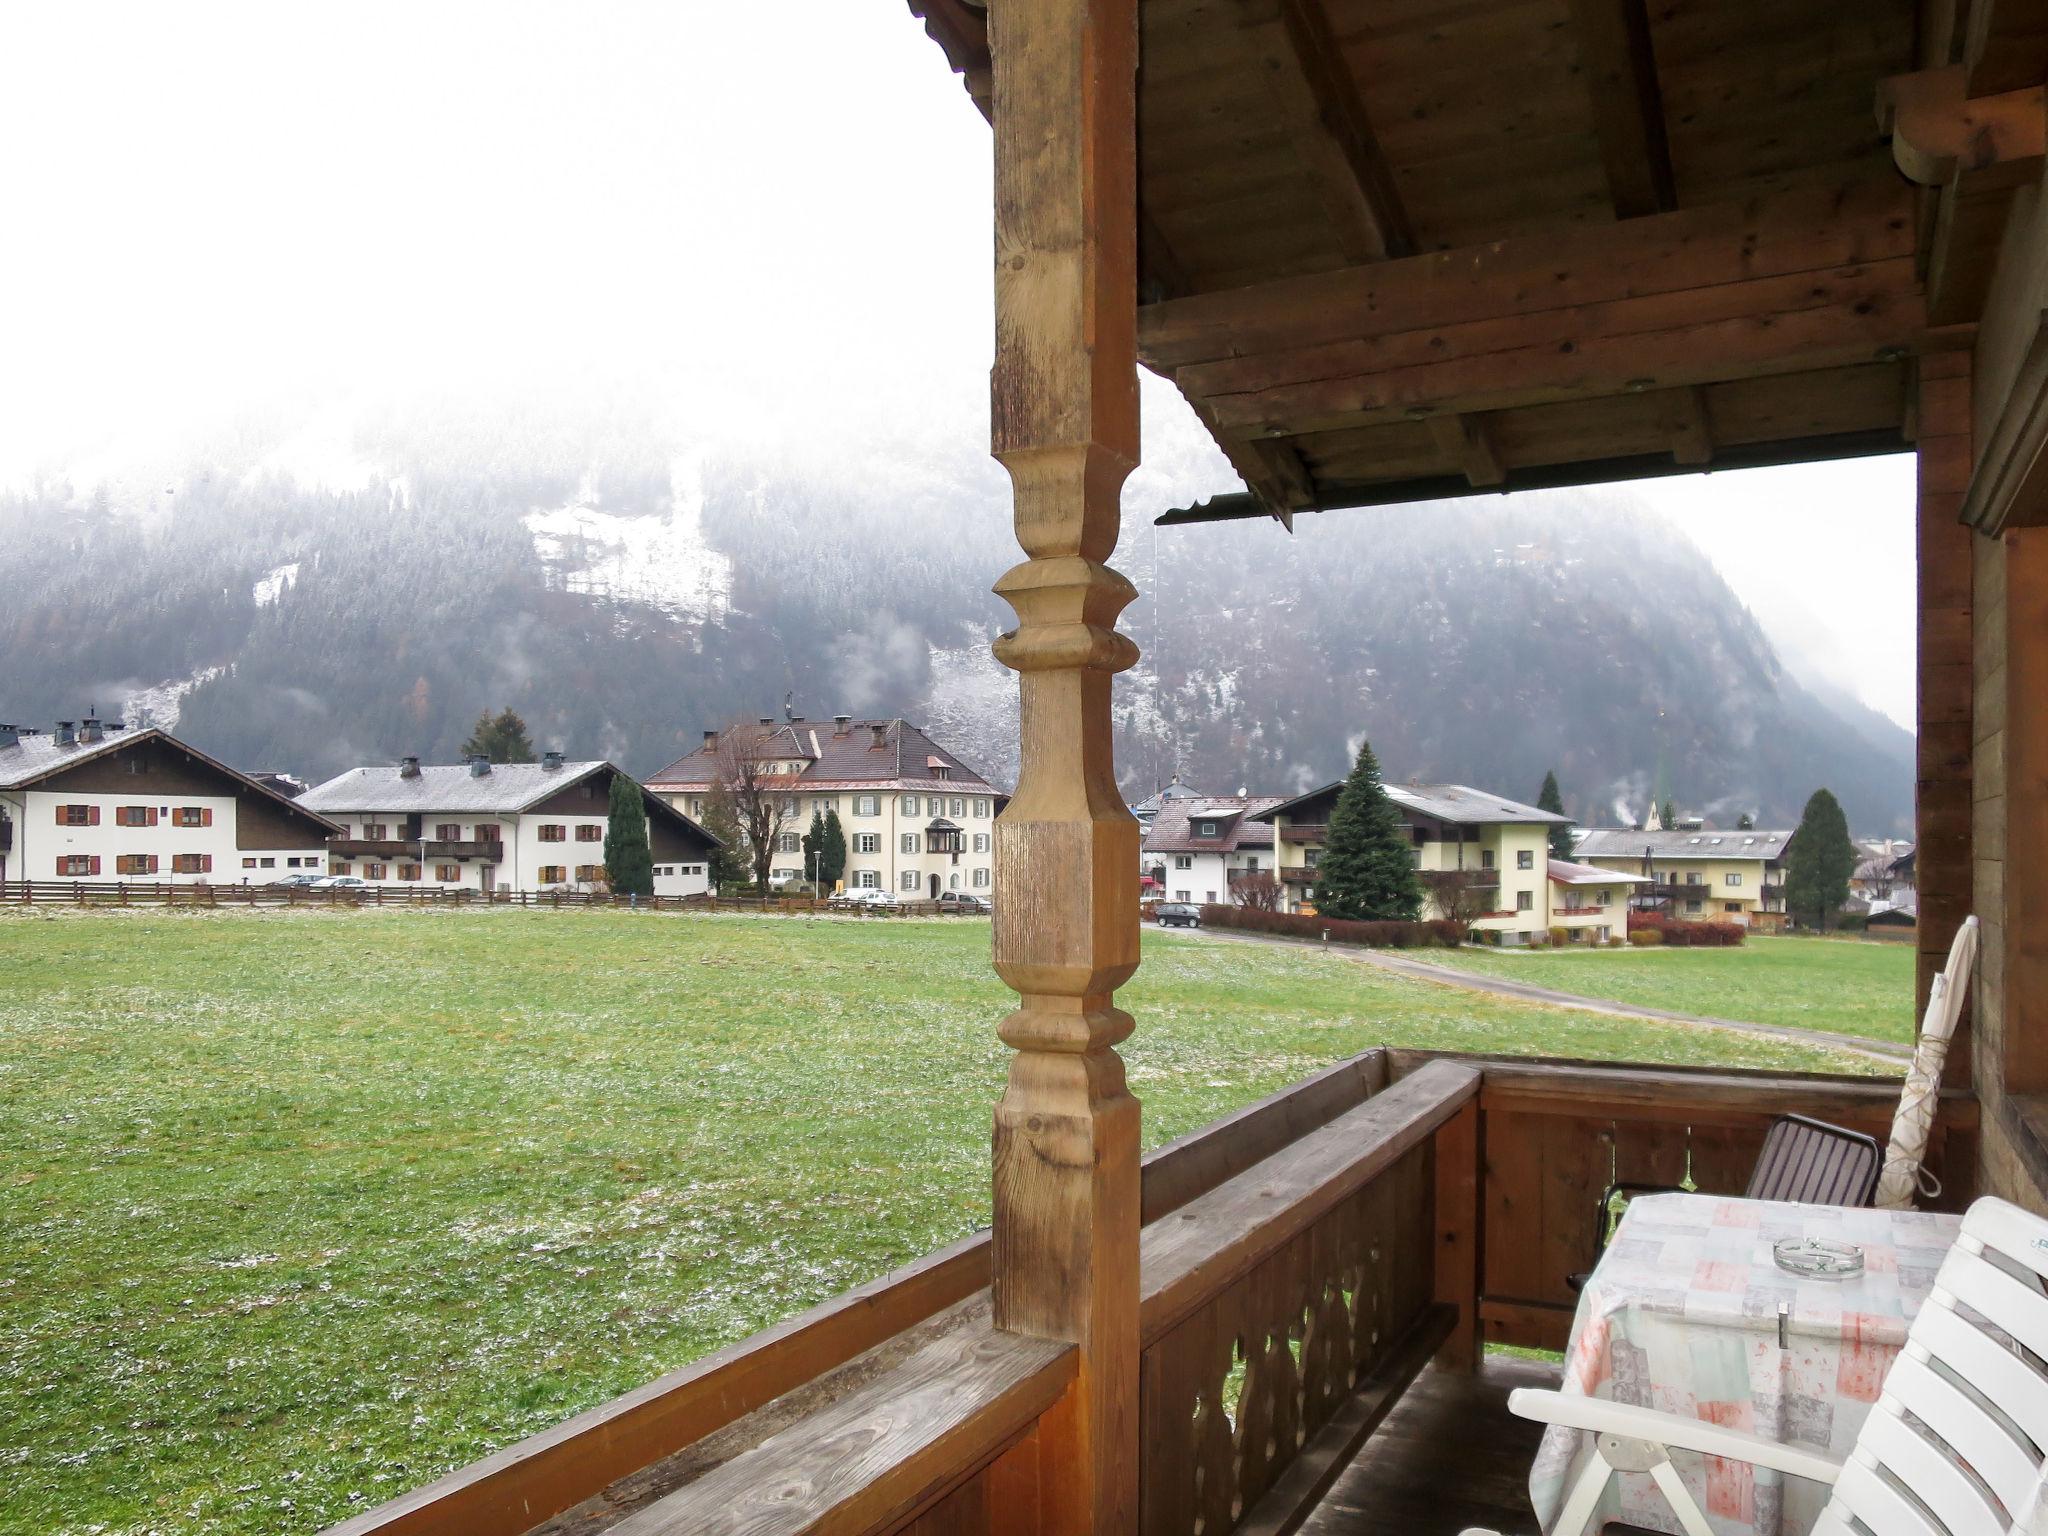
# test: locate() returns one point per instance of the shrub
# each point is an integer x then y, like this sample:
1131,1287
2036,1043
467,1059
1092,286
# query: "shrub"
1440,933
1679,934
1560,935
1645,937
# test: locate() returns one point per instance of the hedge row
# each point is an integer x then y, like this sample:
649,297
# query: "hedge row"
1655,928
1439,934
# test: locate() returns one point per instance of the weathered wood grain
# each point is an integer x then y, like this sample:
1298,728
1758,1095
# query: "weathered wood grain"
883,1454
1064,423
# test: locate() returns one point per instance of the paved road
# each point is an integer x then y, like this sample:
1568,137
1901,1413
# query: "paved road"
1422,970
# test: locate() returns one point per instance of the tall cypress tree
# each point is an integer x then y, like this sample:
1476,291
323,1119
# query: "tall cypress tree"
1368,868
1549,799
628,857
832,861
1820,861
814,848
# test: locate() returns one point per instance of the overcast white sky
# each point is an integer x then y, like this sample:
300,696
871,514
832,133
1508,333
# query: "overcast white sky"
776,214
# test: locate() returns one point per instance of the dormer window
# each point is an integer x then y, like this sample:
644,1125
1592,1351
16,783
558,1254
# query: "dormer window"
942,773
1208,829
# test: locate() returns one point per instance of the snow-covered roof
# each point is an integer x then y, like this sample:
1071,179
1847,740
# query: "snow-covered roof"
1565,872
507,789
1624,843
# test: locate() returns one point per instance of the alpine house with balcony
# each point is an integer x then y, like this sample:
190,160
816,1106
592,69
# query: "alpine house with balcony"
918,821
94,801
497,827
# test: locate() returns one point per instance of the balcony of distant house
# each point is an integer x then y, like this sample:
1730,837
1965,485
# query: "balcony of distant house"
490,850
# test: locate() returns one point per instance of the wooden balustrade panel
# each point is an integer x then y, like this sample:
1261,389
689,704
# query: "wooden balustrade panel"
1229,1396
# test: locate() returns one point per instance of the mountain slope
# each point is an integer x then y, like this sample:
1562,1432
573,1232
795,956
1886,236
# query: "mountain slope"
623,595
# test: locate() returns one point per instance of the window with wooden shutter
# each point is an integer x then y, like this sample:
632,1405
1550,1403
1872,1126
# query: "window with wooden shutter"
553,874
190,816
192,863
78,815
134,815
370,871
135,864
554,832
375,832
488,832
448,832
408,871
590,832
590,873
77,864
448,874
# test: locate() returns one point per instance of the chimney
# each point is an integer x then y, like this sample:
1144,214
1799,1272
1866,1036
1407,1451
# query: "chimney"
408,767
767,719
479,766
89,729
9,736
880,735
550,762
840,723
711,738
66,736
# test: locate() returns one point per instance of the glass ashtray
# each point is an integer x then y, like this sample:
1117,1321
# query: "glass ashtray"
1816,1258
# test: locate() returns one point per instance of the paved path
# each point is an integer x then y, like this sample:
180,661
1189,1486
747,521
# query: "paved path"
1450,976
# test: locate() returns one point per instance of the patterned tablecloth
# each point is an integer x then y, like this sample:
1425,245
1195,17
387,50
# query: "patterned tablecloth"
1683,1315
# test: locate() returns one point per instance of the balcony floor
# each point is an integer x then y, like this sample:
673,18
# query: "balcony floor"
1450,1455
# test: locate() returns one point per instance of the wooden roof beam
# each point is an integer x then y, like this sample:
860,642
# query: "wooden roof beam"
1464,441
1972,153
961,31
1692,432
2005,46
1620,69
1937,128
1766,326
1797,230
1319,101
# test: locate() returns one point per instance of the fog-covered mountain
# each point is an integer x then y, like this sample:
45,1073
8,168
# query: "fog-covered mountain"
357,592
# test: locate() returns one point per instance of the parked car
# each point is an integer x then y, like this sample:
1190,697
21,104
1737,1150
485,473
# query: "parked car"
962,901
341,883
862,896
297,881
1177,914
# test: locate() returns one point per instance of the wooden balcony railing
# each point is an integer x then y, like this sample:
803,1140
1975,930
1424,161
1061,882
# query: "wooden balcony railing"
492,851
1300,1262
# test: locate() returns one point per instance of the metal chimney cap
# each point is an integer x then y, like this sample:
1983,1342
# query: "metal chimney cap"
479,765
550,761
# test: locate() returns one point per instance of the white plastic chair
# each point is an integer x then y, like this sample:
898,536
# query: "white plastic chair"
1978,1394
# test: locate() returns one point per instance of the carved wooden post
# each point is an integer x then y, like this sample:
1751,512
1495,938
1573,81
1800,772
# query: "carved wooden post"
1065,424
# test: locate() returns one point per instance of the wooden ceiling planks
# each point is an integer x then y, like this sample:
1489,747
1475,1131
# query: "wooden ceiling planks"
1649,232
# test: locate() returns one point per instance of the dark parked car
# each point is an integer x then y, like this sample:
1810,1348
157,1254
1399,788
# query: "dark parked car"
962,901
1175,914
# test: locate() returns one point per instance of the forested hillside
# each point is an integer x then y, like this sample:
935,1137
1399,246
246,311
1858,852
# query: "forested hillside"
623,593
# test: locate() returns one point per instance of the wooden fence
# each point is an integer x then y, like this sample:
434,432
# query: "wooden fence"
125,893
89,893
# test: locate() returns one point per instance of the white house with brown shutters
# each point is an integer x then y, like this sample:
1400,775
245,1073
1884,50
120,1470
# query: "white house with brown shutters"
490,826
91,800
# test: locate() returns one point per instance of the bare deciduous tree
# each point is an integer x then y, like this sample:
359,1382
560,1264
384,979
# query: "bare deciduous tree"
1256,891
762,801
1454,895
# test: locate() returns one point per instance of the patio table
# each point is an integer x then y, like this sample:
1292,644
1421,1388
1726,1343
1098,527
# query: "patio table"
1687,1312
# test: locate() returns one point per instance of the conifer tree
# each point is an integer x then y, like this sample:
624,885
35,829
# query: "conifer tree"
832,861
1745,822
501,737
1820,861
628,857
1550,799
1368,869
817,848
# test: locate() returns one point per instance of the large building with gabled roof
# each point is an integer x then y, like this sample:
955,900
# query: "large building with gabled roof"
490,826
919,821
92,800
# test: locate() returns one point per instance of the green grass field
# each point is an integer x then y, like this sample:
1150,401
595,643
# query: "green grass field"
299,1210
1846,986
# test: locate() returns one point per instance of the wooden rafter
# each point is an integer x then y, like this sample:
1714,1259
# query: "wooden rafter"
1463,440
1802,230
1620,69
1692,433
1326,117
2005,46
